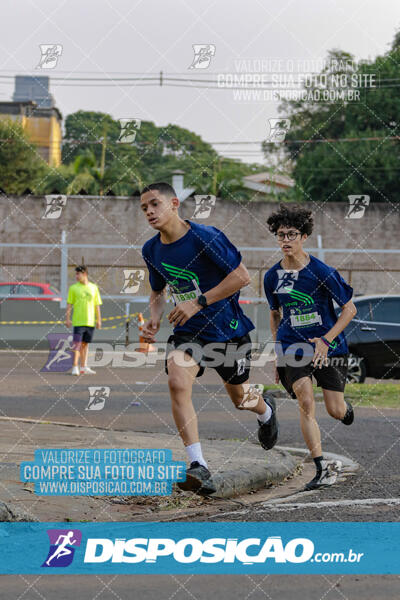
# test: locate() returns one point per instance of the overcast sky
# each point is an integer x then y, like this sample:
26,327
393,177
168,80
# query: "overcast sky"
105,37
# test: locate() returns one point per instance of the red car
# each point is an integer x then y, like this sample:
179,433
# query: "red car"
28,290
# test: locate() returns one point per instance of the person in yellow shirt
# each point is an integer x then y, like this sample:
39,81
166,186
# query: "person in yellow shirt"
84,298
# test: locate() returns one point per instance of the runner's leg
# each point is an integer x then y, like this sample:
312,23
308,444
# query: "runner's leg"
180,382
335,404
303,389
84,354
76,355
236,394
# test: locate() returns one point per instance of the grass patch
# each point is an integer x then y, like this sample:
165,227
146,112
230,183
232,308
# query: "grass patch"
385,395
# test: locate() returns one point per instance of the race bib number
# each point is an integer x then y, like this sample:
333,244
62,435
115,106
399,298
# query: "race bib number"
312,318
179,297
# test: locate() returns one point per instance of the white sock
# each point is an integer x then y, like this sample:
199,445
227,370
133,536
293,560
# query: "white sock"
265,417
194,453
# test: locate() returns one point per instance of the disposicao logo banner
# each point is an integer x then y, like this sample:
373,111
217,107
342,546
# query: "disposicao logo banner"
162,548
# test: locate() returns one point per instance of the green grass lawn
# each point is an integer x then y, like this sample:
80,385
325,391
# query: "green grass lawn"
362,394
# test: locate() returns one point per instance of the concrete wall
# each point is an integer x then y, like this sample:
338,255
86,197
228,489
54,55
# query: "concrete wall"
120,221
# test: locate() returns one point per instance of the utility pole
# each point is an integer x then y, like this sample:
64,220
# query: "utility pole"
103,158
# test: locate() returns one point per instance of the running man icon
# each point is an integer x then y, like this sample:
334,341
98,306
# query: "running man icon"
62,542
287,278
60,355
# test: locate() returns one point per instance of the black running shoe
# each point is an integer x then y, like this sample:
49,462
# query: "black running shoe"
326,476
268,432
198,479
349,416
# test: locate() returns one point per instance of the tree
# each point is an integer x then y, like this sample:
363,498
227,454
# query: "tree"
21,167
332,170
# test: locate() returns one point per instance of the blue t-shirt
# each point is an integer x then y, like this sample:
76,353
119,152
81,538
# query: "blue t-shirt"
191,266
306,297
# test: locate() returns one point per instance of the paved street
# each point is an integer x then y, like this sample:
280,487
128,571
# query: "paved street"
370,494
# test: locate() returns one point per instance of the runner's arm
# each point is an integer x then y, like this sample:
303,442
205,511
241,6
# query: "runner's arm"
231,284
274,320
348,313
98,316
157,304
68,315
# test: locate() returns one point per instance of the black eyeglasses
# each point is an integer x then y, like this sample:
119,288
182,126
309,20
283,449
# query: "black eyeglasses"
291,235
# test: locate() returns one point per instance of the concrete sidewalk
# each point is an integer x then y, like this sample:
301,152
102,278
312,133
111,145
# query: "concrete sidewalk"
237,467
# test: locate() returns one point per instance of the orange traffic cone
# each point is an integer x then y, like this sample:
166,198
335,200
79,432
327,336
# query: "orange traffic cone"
143,346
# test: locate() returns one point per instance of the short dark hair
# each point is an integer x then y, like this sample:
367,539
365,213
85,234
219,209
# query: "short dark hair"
162,187
291,216
81,269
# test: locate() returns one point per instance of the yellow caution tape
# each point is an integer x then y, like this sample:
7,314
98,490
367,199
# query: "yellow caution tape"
63,322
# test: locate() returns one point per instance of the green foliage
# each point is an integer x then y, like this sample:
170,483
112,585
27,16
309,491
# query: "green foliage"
155,154
21,167
331,171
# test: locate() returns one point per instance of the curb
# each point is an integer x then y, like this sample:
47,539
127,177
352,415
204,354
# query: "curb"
234,483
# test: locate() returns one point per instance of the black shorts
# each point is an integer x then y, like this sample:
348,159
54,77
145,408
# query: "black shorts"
82,333
330,377
231,359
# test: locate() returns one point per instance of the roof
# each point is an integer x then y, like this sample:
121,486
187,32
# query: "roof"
35,110
266,182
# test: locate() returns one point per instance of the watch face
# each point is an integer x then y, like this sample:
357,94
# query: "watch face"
202,301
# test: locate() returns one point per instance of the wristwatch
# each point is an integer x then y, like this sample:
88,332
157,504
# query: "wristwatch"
202,300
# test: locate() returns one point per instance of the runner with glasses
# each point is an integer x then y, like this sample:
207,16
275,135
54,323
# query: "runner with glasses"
309,337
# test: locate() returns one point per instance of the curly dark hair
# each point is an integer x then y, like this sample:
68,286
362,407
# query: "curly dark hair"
291,216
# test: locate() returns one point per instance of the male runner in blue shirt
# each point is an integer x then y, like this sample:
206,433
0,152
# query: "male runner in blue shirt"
304,288
204,273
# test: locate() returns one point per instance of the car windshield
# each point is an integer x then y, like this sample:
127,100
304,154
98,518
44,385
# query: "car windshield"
386,310
6,289
25,289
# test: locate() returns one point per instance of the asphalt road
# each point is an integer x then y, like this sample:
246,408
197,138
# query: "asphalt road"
373,441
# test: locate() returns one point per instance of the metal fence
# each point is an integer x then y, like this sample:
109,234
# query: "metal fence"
54,264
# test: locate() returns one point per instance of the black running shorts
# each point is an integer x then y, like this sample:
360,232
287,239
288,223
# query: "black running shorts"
231,359
330,377
82,333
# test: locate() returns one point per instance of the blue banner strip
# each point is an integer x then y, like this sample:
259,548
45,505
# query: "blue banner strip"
192,548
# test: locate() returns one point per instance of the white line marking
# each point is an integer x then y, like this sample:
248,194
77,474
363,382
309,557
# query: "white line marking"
277,505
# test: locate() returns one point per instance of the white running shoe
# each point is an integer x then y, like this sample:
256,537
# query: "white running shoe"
327,476
75,371
87,371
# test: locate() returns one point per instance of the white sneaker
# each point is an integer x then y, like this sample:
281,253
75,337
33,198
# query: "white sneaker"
87,371
327,476
75,371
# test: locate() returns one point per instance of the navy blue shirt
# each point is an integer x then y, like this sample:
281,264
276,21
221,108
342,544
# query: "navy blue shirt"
192,265
306,297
